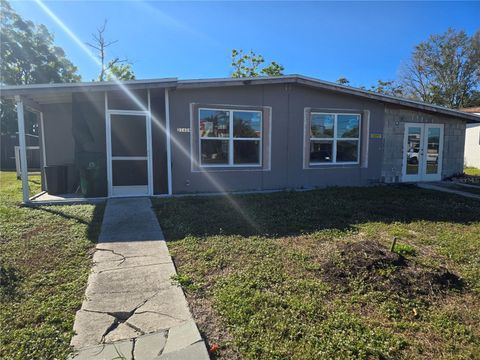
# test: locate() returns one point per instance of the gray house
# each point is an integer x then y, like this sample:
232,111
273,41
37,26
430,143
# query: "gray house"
169,136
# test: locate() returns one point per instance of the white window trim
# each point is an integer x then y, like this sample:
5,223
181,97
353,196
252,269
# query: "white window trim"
334,139
231,139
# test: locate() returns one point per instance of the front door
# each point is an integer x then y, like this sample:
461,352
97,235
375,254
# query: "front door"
128,137
422,152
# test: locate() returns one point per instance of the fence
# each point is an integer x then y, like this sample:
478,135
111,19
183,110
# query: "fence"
33,152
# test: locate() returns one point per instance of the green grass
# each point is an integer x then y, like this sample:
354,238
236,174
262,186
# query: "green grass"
472,171
472,190
256,285
45,259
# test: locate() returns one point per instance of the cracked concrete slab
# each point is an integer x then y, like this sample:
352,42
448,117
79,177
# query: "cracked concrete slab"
142,278
130,294
117,300
89,328
192,352
119,350
182,336
150,346
119,249
123,331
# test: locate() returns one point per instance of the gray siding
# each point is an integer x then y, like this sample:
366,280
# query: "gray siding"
58,134
159,142
79,127
288,105
89,133
453,141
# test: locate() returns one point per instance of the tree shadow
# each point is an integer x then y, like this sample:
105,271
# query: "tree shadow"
295,213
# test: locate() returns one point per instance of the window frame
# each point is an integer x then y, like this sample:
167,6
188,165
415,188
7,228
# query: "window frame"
333,139
231,139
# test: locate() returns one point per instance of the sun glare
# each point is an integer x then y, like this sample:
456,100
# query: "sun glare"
142,106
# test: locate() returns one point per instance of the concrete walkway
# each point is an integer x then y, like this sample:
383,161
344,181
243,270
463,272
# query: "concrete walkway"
131,308
440,186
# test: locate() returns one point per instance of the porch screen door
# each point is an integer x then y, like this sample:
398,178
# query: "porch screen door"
130,168
423,152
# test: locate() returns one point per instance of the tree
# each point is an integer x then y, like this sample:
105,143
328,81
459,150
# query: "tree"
28,56
121,72
473,100
115,69
249,65
389,87
445,69
343,81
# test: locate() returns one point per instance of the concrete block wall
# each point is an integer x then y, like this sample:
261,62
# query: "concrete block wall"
393,136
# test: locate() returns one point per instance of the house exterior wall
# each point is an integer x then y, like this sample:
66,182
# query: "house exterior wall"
89,135
79,130
287,104
472,145
159,142
58,134
395,119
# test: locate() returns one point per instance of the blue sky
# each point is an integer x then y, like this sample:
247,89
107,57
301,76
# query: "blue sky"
363,41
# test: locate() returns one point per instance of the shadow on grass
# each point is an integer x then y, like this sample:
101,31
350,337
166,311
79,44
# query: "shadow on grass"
294,213
93,226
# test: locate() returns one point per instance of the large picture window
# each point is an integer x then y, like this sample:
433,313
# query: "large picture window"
334,138
230,137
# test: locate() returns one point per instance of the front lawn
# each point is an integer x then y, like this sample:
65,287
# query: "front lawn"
45,259
472,171
310,275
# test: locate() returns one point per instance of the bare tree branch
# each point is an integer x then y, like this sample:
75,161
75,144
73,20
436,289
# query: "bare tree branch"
100,45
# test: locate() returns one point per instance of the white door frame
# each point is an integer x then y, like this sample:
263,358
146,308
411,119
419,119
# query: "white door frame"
423,156
148,135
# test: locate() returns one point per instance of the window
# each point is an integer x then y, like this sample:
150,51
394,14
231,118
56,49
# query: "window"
230,137
334,138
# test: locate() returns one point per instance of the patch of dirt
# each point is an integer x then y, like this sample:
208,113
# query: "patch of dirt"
382,270
212,329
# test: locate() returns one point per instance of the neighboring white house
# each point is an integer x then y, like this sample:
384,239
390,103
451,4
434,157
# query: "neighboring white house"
472,141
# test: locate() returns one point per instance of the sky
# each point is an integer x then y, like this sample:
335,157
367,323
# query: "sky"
362,41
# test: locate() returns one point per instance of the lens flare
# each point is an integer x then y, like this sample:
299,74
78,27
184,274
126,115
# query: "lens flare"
156,122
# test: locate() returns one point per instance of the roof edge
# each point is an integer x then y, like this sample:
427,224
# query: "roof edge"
11,90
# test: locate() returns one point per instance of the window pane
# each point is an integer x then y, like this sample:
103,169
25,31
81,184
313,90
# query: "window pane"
321,151
322,125
214,151
348,126
129,135
246,152
129,172
413,153
433,147
247,124
214,123
347,150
